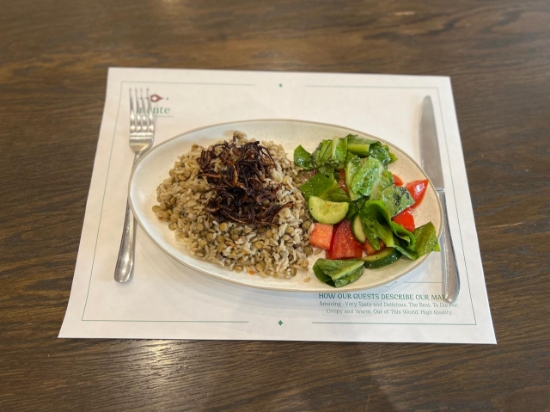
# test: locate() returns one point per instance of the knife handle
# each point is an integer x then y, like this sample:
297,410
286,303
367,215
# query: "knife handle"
451,279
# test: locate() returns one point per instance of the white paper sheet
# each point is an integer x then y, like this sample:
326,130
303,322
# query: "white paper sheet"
166,300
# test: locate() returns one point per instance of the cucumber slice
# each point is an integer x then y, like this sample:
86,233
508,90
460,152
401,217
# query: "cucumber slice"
325,211
358,230
383,258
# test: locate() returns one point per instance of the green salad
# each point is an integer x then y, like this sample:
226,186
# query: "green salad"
363,213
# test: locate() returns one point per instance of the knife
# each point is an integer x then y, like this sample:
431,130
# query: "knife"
431,163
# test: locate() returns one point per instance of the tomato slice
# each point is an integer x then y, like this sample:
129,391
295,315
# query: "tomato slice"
343,244
397,180
342,181
321,236
405,219
417,189
370,250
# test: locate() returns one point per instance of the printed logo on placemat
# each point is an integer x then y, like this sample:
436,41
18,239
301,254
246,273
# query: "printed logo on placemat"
161,109
155,98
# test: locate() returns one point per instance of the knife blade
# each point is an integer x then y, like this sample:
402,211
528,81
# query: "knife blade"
431,163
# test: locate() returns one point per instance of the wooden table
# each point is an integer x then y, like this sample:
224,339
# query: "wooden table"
54,57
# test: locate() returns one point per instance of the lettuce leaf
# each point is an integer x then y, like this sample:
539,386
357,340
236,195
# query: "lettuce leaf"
325,186
425,242
339,151
322,153
377,223
338,273
395,199
359,146
331,152
381,153
365,177
302,158
353,165
337,194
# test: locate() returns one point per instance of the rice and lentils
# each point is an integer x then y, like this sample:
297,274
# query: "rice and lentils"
278,249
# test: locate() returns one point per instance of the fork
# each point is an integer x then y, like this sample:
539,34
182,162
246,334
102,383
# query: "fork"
142,134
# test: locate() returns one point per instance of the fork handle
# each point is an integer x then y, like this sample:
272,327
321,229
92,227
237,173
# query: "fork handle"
125,263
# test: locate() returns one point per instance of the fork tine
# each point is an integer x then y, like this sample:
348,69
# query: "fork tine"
139,101
146,111
132,112
150,120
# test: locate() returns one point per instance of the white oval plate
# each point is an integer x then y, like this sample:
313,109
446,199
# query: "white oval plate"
154,167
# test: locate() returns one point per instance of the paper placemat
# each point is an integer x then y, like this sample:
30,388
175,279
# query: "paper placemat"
166,300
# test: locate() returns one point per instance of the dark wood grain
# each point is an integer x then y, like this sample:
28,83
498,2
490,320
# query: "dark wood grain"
54,57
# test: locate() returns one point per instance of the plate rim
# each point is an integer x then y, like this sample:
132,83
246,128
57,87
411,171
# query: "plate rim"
347,288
